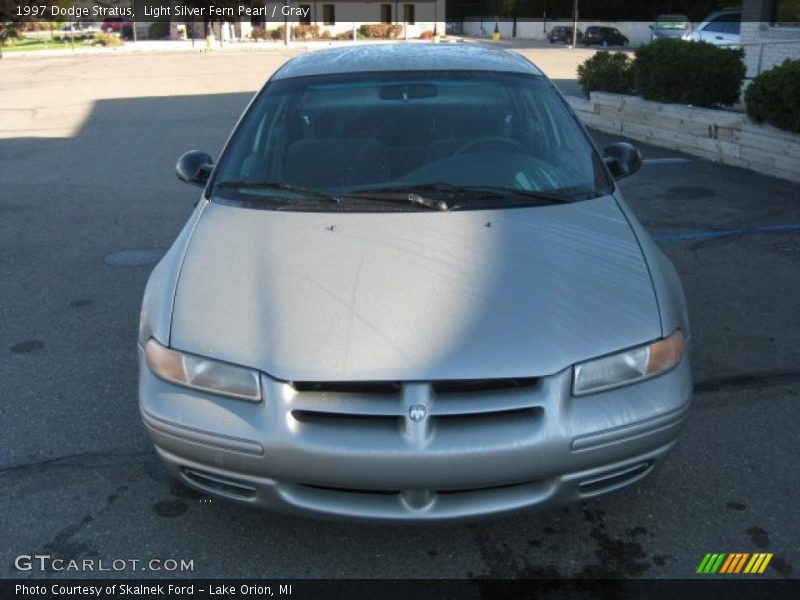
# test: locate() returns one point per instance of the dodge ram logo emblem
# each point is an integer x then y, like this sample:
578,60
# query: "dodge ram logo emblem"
417,412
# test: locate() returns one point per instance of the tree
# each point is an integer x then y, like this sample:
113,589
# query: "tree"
10,21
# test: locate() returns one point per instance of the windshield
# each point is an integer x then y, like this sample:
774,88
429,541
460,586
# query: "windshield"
457,134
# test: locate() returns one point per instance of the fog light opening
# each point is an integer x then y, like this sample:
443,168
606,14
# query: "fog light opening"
216,484
615,479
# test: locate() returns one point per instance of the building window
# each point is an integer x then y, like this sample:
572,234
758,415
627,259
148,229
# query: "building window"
386,13
329,14
408,13
305,14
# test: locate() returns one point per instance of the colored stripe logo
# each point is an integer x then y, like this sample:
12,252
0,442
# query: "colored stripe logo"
735,562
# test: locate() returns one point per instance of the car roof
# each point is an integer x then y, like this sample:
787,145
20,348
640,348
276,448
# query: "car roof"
722,11
405,57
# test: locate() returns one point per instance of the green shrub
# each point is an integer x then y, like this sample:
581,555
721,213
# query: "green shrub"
774,96
606,72
696,73
158,30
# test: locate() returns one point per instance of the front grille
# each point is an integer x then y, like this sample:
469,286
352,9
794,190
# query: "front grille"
494,418
460,386
447,407
348,387
313,417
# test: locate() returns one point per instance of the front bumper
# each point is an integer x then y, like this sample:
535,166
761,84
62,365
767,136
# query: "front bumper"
354,455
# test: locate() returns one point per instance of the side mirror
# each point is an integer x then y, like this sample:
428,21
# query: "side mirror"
194,167
622,159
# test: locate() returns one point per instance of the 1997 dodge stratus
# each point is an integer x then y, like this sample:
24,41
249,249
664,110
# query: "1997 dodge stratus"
411,290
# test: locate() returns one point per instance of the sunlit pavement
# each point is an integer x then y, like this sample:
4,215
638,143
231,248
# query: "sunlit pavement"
87,154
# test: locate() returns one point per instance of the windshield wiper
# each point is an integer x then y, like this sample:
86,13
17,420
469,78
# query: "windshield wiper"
548,197
275,185
406,195
411,193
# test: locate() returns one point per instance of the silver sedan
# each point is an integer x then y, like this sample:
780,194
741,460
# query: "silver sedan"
411,290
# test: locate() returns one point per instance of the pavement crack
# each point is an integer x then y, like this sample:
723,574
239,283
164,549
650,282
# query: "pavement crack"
83,460
747,381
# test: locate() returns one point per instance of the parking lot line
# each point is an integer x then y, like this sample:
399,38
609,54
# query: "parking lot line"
705,235
673,160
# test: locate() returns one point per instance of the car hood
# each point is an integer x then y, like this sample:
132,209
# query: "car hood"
307,296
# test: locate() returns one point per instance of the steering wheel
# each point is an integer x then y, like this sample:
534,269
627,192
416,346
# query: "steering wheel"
471,145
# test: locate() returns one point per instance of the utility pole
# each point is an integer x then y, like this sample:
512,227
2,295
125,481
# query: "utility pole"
514,29
287,33
575,24
544,18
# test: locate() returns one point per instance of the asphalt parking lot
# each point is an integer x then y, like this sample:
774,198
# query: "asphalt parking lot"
87,192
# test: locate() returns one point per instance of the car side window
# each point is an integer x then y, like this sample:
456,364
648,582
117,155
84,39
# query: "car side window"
715,26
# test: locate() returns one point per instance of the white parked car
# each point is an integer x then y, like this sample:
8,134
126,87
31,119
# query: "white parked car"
721,28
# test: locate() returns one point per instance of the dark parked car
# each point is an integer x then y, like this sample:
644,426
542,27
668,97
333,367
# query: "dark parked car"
604,36
112,24
121,26
563,34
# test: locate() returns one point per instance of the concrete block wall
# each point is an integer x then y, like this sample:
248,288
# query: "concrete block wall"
766,46
723,136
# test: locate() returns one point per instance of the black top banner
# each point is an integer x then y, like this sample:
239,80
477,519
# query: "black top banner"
783,11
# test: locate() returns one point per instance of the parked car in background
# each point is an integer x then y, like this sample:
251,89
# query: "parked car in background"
721,28
412,291
113,25
126,30
670,26
563,34
604,36
81,29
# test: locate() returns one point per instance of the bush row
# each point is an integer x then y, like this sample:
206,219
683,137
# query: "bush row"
669,70
381,30
774,96
312,32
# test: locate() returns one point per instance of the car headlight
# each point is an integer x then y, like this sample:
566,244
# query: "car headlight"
629,366
202,373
